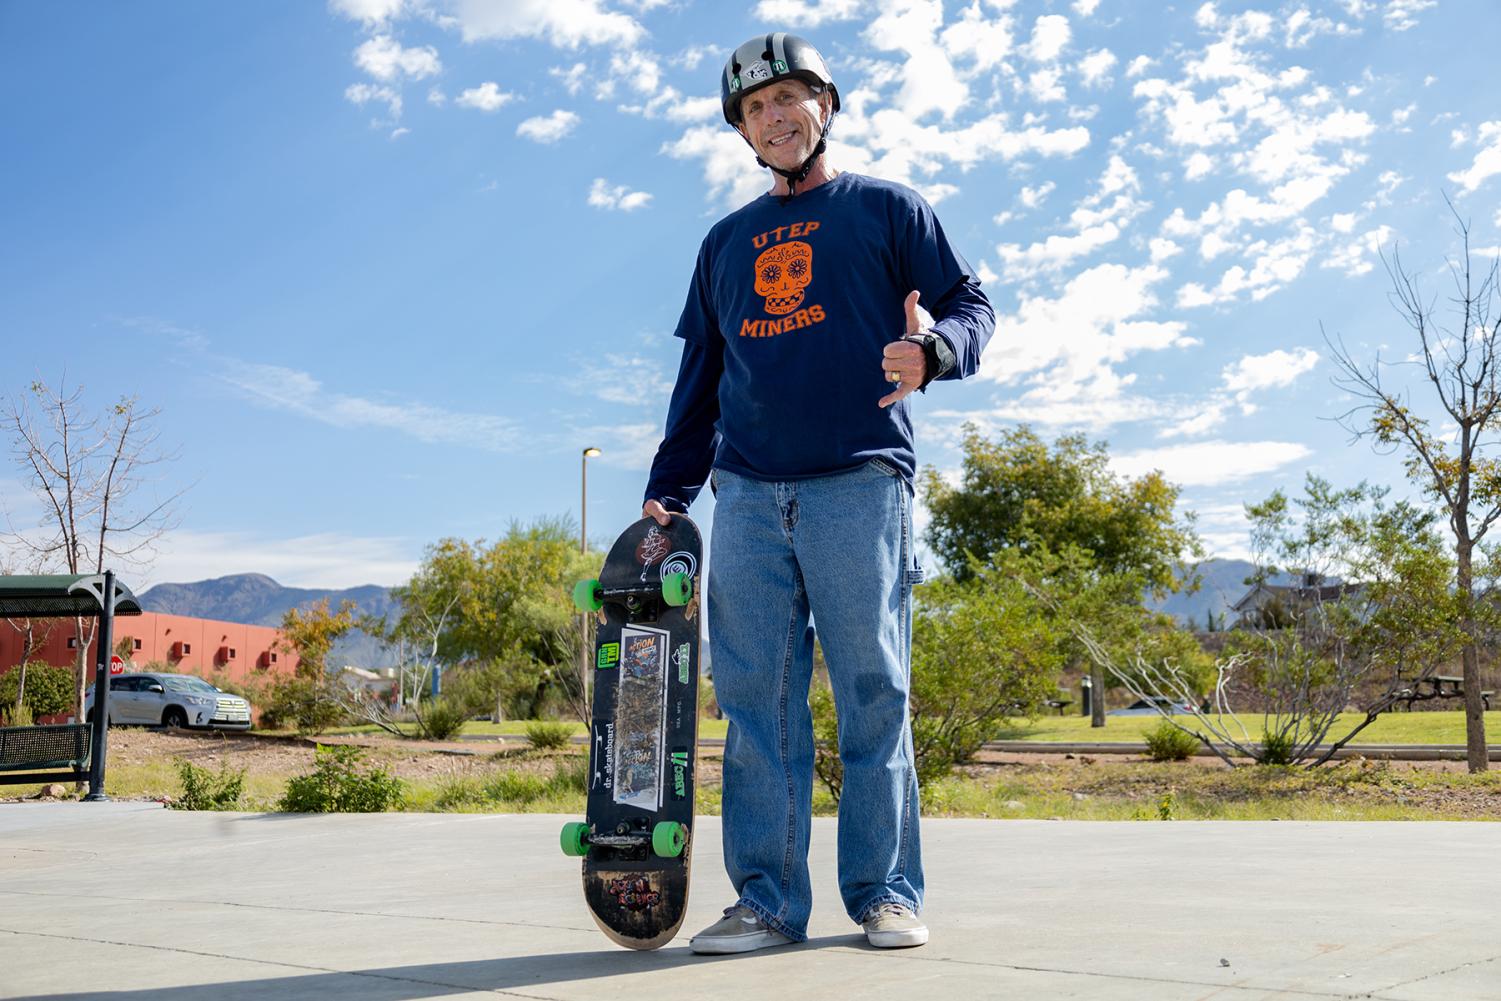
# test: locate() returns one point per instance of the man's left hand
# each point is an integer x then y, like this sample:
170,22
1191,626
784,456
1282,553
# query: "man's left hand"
904,361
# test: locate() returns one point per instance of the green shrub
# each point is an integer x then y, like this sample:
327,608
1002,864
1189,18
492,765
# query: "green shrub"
1276,748
18,716
442,717
337,784
309,705
1168,743
549,736
206,790
49,690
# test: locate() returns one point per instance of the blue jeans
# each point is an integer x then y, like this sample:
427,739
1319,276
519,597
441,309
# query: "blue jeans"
838,548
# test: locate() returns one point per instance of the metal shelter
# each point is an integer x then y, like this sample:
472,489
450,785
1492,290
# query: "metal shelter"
98,596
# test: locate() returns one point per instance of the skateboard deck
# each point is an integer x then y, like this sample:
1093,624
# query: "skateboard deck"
637,836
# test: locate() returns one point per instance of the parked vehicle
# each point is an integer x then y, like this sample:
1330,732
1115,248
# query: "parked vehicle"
1148,707
174,700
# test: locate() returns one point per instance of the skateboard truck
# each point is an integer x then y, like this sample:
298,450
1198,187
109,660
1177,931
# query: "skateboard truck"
667,839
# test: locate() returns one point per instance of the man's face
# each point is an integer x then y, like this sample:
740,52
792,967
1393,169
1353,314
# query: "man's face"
783,121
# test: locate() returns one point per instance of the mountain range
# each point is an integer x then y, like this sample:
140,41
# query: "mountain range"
259,600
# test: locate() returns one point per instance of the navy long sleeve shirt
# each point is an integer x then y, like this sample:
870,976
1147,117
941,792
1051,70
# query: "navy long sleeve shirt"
791,305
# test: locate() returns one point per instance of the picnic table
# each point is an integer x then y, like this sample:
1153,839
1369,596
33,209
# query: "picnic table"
1439,686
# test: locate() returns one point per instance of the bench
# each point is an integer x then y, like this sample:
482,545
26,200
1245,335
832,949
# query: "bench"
1438,686
26,750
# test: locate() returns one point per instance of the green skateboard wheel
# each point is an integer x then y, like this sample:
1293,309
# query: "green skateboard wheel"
677,588
573,839
668,839
586,596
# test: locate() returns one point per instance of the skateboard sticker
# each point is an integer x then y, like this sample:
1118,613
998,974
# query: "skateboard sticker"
641,716
603,755
681,658
652,548
634,893
680,562
680,773
609,656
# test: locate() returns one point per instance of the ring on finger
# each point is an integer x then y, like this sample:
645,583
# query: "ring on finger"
893,377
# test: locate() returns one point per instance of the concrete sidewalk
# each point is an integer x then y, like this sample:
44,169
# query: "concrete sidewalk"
131,901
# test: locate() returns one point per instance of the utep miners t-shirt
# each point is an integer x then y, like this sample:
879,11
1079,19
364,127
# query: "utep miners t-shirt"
805,295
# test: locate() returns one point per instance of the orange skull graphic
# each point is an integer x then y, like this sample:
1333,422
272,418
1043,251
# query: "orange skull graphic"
782,273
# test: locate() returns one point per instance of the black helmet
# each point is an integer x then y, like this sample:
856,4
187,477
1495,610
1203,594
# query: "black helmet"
766,59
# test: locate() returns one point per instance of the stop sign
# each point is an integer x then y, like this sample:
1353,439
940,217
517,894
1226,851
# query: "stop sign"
116,665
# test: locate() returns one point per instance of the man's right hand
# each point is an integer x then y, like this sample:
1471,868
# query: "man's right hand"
654,509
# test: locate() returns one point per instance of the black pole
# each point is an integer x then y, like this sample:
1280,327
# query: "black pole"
100,734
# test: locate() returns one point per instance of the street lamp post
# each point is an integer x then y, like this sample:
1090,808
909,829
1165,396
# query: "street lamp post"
589,453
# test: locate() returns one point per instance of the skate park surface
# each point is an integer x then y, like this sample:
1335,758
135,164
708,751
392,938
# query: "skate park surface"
132,901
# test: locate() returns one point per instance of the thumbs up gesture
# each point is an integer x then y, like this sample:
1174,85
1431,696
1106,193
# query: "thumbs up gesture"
904,361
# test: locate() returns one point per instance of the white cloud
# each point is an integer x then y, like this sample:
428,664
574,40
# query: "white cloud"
1095,222
629,380
363,93
986,41
1140,65
436,97
1064,351
300,393
1276,264
373,13
1272,370
1198,165
384,58
1033,197
929,80
565,23
1054,253
603,195
487,97
1487,162
1050,36
548,128
1403,14
572,78
1162,249
1095,67
1354,257
1046,85
1084,8
1211,463
807,13
324,560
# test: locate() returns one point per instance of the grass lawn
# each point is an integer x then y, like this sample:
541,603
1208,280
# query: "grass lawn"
1446,727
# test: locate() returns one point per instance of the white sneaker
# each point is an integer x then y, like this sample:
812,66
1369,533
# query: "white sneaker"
740,930
894,926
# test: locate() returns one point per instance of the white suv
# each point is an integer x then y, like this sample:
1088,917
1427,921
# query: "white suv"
171,700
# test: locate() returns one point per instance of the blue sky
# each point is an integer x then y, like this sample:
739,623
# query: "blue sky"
387,266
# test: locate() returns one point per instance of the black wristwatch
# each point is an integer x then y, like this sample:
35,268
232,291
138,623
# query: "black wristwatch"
936,350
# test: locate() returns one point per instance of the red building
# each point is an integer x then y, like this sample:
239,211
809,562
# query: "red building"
205,647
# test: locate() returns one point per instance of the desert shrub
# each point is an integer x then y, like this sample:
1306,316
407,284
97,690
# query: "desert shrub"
18,716
549,736
1166,742
338,784
443,717
309,705
206,790
49,690
1276,748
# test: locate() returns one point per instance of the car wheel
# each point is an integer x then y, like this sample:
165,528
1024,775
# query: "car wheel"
174,718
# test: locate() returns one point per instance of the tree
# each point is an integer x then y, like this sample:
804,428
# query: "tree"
1362,640
311,633
90,473
1017,493
507,604
1454,464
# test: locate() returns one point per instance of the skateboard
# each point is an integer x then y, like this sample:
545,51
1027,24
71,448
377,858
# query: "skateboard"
636,839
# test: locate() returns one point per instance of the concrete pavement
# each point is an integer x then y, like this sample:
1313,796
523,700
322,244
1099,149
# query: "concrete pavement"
129,901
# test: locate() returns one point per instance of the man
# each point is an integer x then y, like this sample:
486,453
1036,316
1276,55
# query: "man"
801,345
